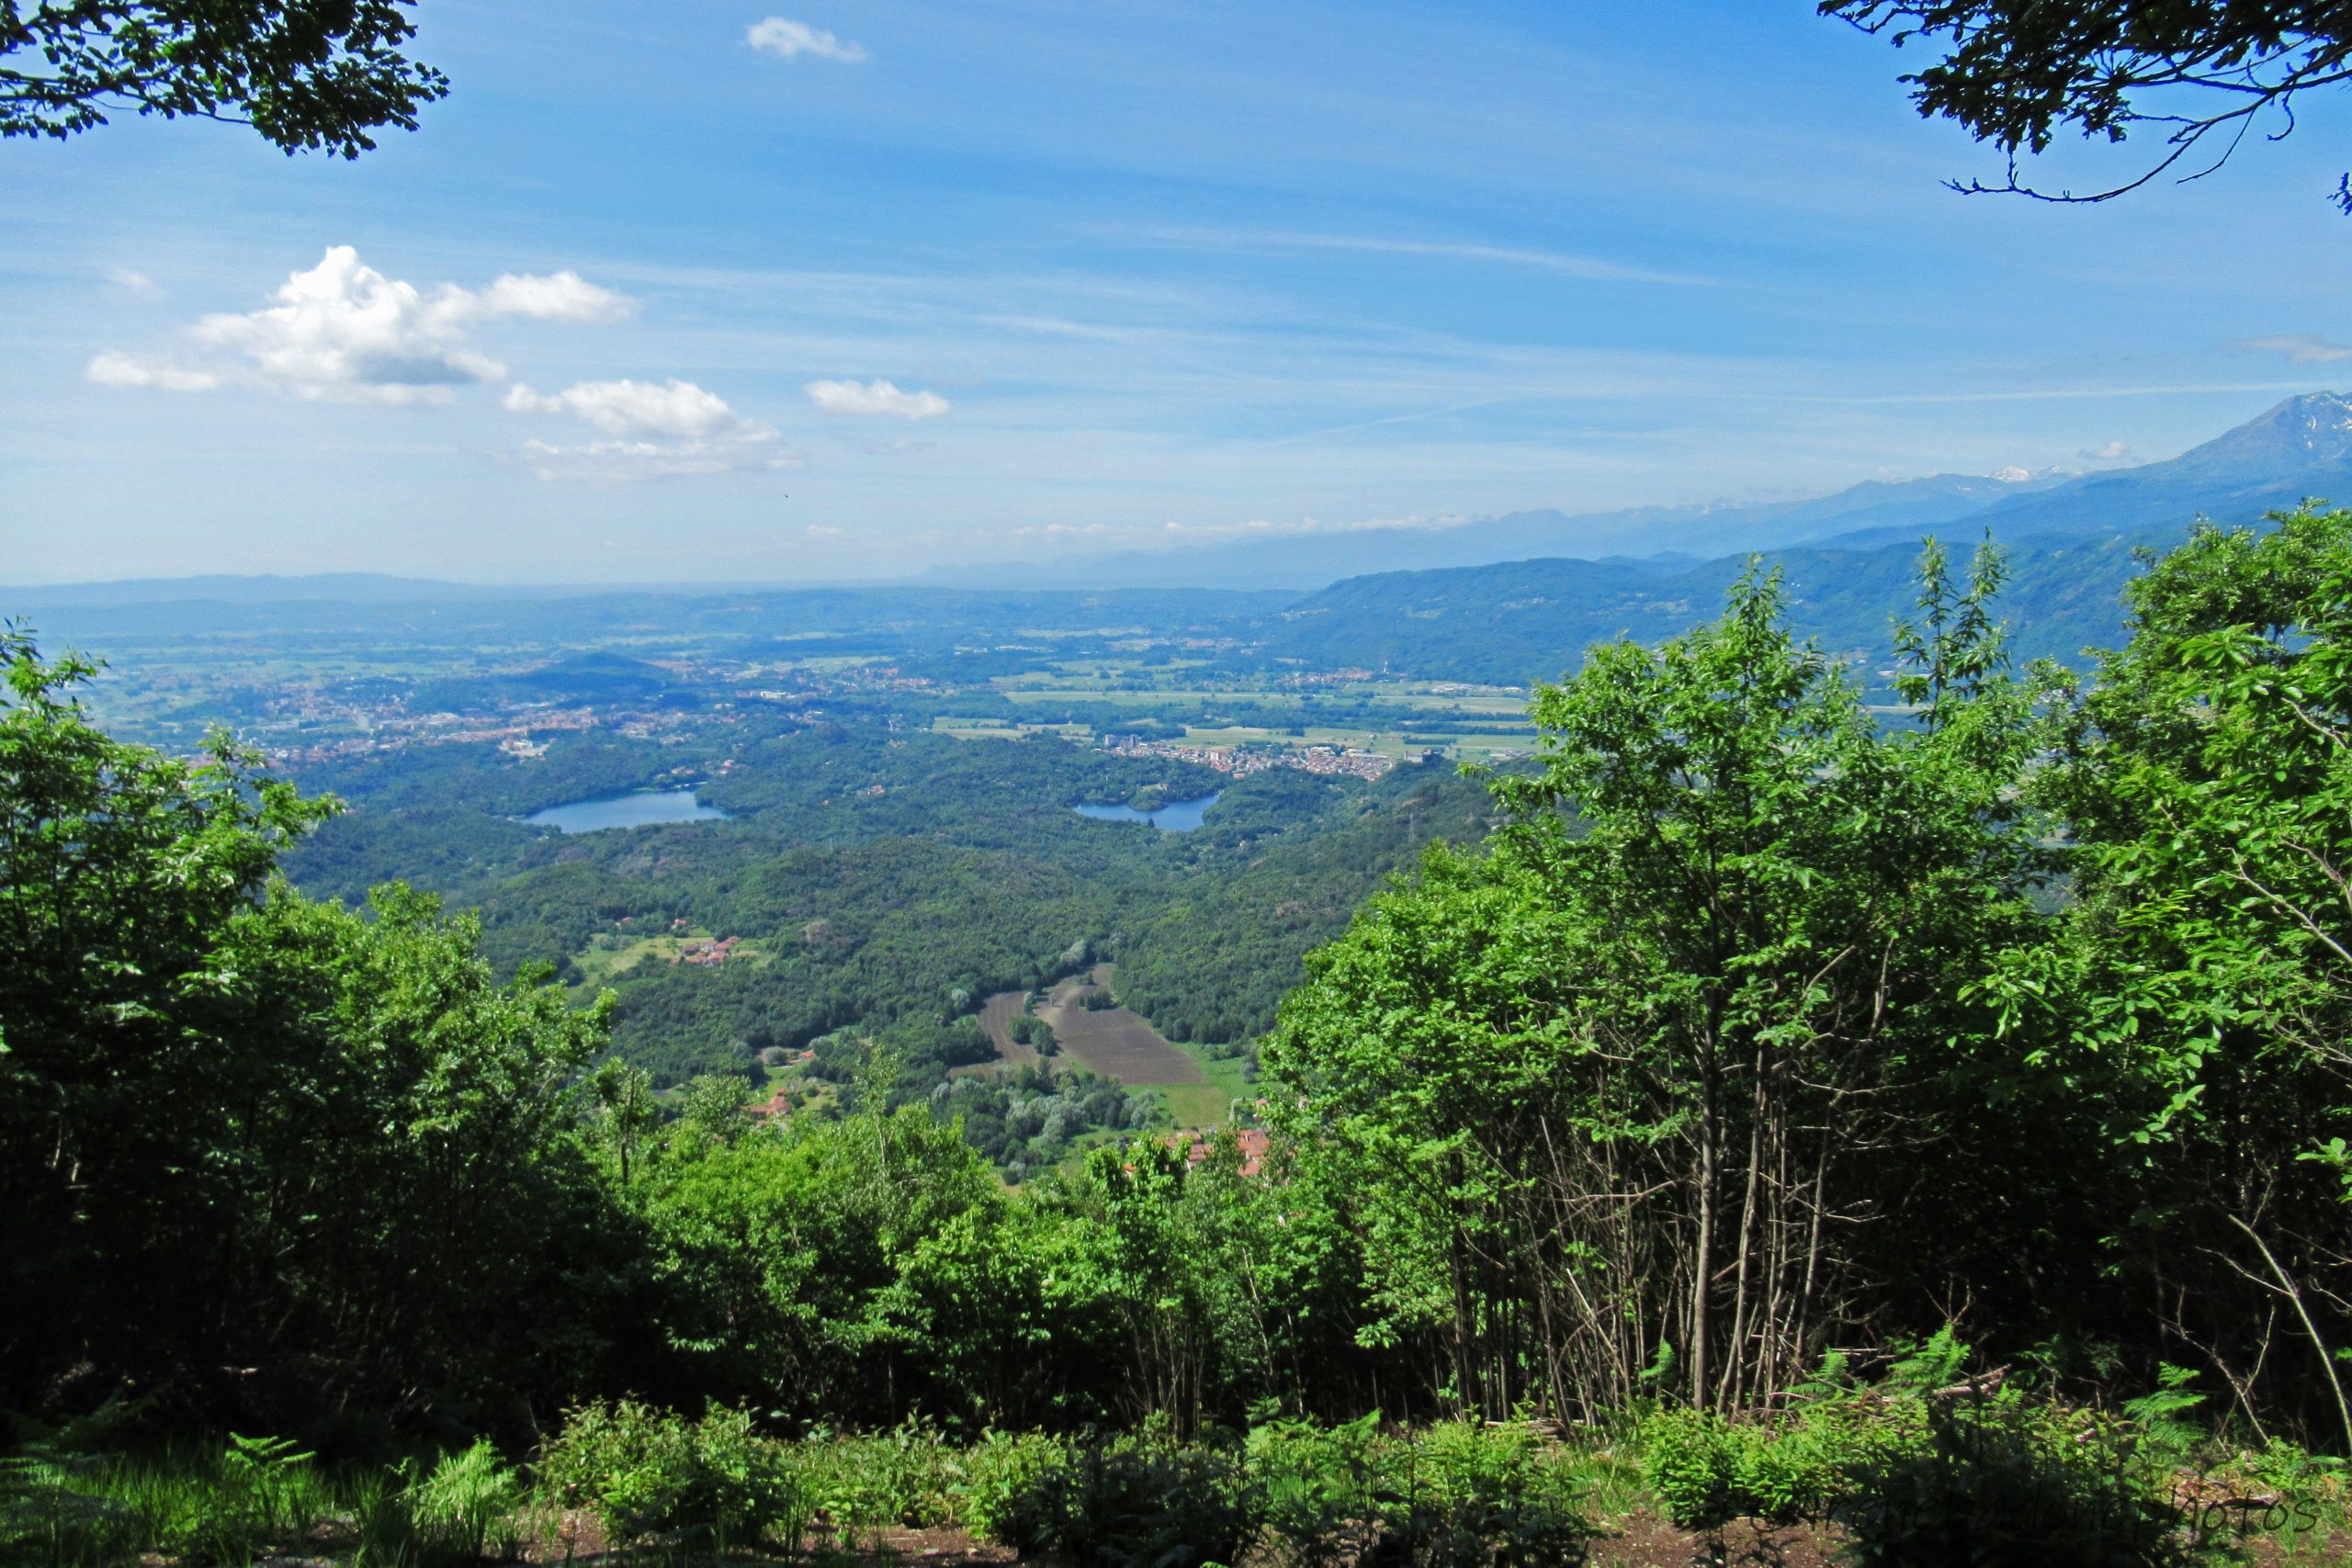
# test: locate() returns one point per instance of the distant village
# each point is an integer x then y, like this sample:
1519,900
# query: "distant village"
1241,761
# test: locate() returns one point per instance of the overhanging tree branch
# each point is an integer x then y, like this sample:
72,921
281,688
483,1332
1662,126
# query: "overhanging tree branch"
315,75
2016,72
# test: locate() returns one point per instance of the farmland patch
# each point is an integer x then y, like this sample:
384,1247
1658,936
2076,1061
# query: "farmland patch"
1111,1041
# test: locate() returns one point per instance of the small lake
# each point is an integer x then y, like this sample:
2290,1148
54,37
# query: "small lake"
1176,817
636,810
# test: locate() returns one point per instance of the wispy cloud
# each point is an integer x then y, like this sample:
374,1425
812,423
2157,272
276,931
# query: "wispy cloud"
1591,269
2299,348
876,399
122,370
790,40
343,332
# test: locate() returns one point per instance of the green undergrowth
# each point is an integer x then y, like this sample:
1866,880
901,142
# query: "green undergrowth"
1920,1466
1928,1466
255,1498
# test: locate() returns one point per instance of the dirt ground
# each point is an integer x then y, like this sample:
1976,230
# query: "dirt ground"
1637,1541
1115,1042
996,1017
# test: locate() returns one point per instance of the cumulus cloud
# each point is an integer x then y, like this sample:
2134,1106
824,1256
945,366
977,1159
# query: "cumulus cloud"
877,398
2299,348
2113,452
790,40
661,431
343,332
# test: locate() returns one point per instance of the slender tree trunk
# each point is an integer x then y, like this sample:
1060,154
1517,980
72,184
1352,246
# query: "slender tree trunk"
1735,1356
1702,1272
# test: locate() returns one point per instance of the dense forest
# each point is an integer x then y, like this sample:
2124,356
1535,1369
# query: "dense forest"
892,879
1761,1058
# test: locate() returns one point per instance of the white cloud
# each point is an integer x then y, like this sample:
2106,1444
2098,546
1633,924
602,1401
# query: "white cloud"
122,370
790,40
678,409
2299,348
2013,475
876,397
657,432
133,280
2113,452
558,297
343,332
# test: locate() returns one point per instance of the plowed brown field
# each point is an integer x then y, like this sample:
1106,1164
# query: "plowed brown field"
1114,1041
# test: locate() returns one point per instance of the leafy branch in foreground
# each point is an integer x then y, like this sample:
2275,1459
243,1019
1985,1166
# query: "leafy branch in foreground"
2200,74
311,76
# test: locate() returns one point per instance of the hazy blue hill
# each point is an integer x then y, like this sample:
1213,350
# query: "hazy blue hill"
597,678
2298,450
2299,447
111,615
1529,620
1312,560
337,587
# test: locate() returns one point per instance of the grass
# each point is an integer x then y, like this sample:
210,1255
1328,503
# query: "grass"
601,965
253,1499
1198,1107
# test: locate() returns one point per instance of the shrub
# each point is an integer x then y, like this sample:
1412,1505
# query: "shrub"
1011,1487
867,1483
2003,1482
1692,1462
1464,1495
645,1471
1144,1500
1315,1487
1796,1473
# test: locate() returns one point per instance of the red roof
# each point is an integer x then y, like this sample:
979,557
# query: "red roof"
1254,1143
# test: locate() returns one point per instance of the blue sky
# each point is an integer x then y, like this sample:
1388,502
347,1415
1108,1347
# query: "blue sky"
910,284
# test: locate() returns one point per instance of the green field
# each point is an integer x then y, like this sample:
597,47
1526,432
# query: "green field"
609,956
1198,1107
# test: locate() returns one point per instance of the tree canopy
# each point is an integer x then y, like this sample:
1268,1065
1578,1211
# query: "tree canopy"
309,76
2199,75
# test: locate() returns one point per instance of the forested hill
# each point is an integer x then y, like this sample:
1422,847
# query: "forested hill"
2070,546
1531,620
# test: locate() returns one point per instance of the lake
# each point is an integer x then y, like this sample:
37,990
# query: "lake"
1176,817
635,810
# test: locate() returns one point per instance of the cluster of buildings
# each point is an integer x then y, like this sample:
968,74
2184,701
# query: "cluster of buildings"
1241,761
710,950
1255,1144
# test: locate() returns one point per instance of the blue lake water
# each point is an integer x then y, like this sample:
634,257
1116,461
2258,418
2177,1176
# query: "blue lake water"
636,810
1176,817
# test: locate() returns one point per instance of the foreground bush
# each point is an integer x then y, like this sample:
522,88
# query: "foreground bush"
1928,1467
644,1471
1463,1493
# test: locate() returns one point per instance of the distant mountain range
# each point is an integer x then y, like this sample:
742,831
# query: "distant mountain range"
1684,532
2070,546
1508,599
2300,447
